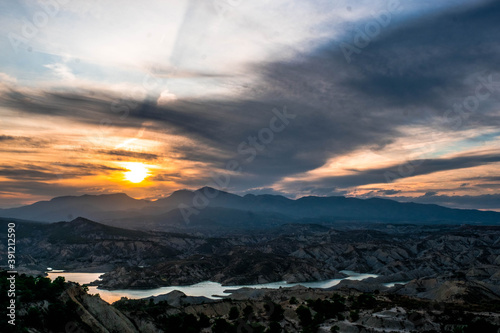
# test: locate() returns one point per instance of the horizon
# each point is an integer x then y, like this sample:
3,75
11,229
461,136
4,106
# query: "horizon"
237,194
288,98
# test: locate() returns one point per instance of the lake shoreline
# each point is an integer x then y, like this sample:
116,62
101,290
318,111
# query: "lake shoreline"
208,289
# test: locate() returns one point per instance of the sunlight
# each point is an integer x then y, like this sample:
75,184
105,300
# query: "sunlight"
137,172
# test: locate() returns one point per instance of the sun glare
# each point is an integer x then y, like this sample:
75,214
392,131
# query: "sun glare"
137,172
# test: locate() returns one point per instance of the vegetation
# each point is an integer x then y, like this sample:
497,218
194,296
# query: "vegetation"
248,311
275,311
274,327
234,313
222,326
40,297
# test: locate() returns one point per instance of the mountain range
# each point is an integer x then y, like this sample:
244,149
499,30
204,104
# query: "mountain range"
212,208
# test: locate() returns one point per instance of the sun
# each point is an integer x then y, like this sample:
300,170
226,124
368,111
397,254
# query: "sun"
137,172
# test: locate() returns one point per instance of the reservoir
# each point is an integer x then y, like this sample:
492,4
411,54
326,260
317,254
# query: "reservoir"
207,288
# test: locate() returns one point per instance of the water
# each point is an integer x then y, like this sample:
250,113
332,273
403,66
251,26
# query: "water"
208,289
81,278
392,284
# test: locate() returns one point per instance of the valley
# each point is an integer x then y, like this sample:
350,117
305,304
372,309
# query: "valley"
292,253
449,269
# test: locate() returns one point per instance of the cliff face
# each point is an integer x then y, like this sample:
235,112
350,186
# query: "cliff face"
98,315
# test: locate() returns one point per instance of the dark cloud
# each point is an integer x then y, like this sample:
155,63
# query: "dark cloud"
23,141
38,188
27,174
89,166
484,178
409,169
126,153
6,138
388,192
489,186
30,172
430,194
260,191
166,177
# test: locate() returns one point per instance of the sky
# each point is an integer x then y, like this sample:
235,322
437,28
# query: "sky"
392,99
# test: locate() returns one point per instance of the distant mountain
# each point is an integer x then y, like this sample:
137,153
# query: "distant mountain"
68,207
219,209
317,209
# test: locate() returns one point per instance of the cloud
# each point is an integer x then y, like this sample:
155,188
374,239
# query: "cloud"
6,138
27,172
407,78
166,177
389,192
23,141
165,98
62,71
159,71
7,79
125,153
262,191
392,173
52,172
485,201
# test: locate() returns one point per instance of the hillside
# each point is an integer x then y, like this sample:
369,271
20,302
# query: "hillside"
293,253
57,306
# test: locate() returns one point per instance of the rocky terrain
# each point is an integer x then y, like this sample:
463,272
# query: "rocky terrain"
451,275
58,306
293,253
471,253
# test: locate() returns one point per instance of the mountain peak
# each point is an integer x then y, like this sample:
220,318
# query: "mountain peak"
183,192
211,190
204,190
81,220
92,196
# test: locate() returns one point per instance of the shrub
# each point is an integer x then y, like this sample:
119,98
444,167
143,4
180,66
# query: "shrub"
234,313
203,320
222,326
304,314
274,327
248,311
354,315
